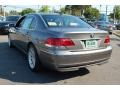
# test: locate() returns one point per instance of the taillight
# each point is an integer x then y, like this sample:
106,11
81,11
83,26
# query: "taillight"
107,40
59,42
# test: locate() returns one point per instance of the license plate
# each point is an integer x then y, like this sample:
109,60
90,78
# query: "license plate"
91,44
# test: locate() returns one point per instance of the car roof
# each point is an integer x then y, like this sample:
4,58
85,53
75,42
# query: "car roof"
40,14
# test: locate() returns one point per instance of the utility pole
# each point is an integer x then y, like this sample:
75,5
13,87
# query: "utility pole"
106,18
100,8
114,16
0,9
60,6
106,9
60,9
53,9
70,9
4,11
38,9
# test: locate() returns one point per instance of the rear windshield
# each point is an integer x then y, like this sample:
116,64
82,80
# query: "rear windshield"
64,21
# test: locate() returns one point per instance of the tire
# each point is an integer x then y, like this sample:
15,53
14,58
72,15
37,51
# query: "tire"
117,28
33,60
10,42
110,33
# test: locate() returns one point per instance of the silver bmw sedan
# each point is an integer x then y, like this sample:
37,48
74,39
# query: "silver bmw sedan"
59,42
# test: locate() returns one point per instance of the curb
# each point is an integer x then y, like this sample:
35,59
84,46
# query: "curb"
116,34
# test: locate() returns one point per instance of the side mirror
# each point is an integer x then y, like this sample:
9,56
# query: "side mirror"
12,30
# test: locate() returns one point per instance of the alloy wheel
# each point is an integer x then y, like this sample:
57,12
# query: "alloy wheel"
31,58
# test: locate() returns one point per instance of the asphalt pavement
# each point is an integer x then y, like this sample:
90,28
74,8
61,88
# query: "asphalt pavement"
14,69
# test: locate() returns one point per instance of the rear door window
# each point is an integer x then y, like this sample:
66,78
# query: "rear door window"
20,22
33,24
27,23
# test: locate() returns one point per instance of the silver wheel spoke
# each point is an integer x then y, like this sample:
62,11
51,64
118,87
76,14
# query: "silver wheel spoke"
31,58
9,41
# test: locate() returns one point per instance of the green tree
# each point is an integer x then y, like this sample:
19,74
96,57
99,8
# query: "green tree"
13,12
111,15
44,8
91,13
116,10
62,10
76,9
116,13
27,11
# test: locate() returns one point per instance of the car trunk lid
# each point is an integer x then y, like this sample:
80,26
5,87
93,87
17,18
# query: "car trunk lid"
83,38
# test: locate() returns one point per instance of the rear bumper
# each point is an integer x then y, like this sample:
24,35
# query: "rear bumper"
69,61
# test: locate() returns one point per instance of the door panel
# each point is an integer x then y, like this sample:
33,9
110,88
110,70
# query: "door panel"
16,36
23,36
23,39
17,31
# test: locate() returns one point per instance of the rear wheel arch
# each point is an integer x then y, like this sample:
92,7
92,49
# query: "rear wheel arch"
28,45
39,66
32,44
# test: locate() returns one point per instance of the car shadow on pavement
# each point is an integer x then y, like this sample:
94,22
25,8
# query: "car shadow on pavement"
118,45
13,67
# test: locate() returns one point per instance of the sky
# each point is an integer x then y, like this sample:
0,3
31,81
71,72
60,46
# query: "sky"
102,9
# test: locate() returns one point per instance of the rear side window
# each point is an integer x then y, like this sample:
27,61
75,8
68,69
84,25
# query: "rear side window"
27,23
64,21
33,24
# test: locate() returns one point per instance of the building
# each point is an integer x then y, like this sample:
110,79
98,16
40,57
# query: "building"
1,10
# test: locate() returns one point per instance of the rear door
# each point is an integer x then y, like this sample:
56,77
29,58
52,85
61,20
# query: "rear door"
24,33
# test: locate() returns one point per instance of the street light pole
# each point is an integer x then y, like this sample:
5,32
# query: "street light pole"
4,11
114,16
70,9
106,9
100,8
53,9
38,8
106,13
